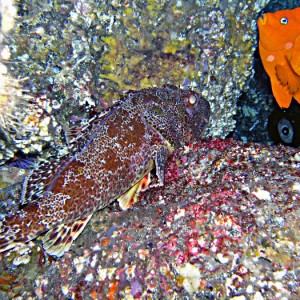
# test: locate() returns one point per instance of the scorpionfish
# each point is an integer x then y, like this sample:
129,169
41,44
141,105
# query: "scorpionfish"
279,48
110,158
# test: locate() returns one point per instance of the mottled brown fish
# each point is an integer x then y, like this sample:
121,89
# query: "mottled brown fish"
110,158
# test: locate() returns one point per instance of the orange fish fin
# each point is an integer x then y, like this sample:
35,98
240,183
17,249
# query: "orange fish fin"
295,61
295,57
288,78
282,73
281,94
297,97
59,239
130,197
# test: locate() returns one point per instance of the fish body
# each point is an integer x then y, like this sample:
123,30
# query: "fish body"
108,159
279,48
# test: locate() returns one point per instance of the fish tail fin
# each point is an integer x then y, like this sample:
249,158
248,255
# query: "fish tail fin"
37,217
32,220
20,227
59,239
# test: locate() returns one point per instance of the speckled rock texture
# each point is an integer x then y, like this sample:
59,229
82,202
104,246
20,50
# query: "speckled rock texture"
225,225
76,55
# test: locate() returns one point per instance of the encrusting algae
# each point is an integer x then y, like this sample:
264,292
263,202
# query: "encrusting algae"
111,156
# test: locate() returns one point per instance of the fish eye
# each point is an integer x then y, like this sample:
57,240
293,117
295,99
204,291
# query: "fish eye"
190,103
192,99
285,130
284,21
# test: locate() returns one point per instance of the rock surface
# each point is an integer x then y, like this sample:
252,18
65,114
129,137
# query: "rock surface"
226,224
79,55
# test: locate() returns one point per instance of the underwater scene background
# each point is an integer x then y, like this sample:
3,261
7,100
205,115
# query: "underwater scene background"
226,222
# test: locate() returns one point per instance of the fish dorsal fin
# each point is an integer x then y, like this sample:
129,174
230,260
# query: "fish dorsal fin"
78,136
38,179
59,239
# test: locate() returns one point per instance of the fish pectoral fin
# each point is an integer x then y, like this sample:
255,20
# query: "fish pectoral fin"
282,73
288,78
160,164
295,62
130,197
295,57
297,97
282,95
59,239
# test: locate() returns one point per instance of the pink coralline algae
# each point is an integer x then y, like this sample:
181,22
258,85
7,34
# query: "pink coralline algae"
225,225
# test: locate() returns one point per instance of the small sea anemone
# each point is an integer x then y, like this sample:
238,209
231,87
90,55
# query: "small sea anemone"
23,121
13,104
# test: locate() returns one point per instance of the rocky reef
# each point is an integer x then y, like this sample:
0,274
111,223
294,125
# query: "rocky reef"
25,118
83,54
225,225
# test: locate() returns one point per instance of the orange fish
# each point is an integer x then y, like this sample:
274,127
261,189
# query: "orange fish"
279,48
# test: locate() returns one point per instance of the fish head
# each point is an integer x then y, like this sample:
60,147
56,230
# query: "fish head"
180,116
279,30
196,115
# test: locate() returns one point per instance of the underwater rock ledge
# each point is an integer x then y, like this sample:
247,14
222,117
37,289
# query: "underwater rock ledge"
102,49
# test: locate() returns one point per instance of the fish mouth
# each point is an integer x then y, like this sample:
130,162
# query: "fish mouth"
263,19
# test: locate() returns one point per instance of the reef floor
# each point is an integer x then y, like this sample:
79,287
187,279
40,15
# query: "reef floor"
225,225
